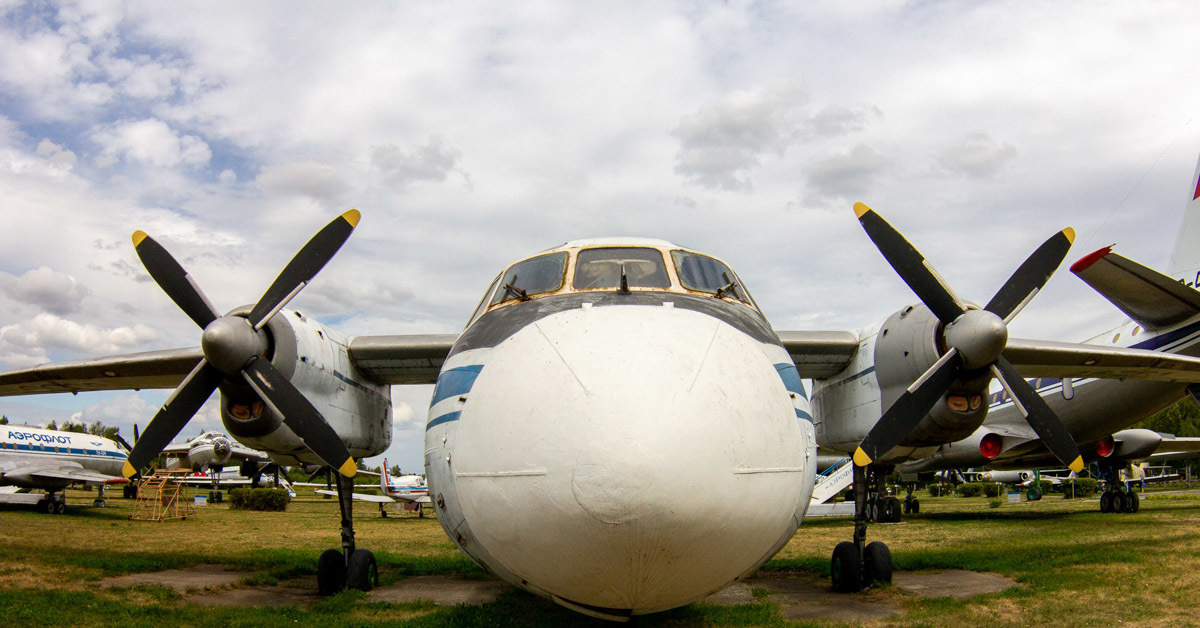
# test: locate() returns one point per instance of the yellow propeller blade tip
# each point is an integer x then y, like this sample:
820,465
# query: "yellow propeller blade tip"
138,236
348,468
128,470
1076,465
352,217
860,209
1070,233
860,457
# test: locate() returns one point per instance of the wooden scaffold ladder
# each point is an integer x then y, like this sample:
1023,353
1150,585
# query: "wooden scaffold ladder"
160,497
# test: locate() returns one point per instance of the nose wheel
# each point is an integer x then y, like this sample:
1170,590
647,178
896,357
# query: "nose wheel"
350,567
857,564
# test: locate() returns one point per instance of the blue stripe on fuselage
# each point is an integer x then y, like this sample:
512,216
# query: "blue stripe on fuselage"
456,381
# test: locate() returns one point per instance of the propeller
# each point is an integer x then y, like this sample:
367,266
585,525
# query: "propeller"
235,346
975,339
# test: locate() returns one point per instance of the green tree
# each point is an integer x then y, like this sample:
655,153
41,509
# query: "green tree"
1181,419
4,419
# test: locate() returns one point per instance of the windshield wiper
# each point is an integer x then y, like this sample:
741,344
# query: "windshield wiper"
515,292
728,289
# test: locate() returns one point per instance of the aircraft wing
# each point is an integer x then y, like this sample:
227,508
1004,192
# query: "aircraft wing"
133,371
1045,358
403,359
376,499
1144,294
407,359
238,452
820,354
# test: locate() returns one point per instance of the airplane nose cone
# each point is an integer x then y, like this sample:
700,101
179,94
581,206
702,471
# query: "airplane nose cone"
628,457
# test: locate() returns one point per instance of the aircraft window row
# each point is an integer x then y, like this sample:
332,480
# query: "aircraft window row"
535,275
597,269
705,274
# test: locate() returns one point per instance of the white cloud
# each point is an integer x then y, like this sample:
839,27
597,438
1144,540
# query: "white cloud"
152,142
976,155
722,142
847,173
57,293
31,341
58,156
432,162
317,181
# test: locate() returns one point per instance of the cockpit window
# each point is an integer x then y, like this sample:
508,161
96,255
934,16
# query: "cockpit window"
535,275
598,269
705,274
483,303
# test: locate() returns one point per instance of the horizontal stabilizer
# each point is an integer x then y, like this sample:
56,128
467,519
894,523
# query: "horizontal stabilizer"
378,499
1147,296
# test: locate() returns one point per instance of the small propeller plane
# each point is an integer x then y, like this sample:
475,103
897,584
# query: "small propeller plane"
601,385
409,491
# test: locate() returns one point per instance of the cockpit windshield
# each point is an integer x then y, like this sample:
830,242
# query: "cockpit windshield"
706,274
598,269
535,275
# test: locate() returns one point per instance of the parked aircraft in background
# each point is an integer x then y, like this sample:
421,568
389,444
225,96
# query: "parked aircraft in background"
211,452
32,458
602,384
408,491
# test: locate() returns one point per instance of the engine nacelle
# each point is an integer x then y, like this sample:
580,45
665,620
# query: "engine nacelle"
1006,477
1128,445
316,360
907,345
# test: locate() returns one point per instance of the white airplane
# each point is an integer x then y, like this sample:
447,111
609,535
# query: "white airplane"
601,386
409,491
211,452
32,458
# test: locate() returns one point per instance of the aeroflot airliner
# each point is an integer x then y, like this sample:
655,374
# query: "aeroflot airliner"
50,460
600,392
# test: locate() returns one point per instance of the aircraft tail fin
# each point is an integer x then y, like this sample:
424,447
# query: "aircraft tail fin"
1147,296
1185,257
385,481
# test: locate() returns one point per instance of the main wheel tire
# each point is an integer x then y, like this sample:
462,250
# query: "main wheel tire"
59,507
894,515
1118,502
916,506
1133,503
331,572
877,563
362,573
846,568
1033,494
1106,502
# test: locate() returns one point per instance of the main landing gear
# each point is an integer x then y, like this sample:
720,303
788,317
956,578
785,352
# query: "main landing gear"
912,505
52,504
857,564
1116,497
348,568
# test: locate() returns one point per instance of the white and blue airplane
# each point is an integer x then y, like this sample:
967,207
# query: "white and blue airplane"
603,385
32,458
409,492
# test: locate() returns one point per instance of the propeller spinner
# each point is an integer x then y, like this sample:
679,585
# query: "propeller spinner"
235,346
974,339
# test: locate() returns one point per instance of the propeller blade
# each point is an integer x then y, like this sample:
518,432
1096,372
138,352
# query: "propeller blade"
174,280
1031,276
907,411
303,267
1039,415
910,265
299,415
135,433
195,389
123,442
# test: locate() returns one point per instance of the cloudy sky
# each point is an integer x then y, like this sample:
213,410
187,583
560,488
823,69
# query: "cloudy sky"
472,134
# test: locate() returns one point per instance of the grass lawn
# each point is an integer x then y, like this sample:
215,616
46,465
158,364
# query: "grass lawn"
1074,565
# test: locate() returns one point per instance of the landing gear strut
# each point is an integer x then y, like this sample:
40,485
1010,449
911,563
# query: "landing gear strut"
856,563
1116,497
350,567
52,504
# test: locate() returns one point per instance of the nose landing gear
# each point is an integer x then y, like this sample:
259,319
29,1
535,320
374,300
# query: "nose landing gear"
351,567
857,564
